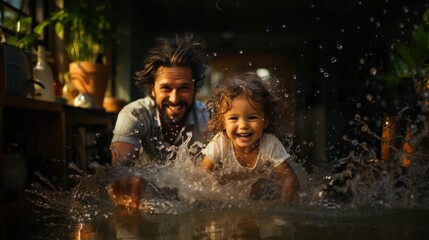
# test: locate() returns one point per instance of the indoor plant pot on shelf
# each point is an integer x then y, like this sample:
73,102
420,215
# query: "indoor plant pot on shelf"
85,29
89,78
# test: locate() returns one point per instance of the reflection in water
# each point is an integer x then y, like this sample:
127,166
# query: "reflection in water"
231,224
248,224
183,226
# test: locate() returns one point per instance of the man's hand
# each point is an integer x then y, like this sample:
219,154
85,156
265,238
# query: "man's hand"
126,192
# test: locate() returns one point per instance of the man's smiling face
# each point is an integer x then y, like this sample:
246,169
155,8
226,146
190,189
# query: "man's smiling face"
174,92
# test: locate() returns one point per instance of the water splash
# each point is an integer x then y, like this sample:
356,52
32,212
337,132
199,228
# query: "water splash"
362,181
86,201
356,186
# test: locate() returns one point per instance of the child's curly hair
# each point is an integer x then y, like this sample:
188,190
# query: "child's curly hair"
253,88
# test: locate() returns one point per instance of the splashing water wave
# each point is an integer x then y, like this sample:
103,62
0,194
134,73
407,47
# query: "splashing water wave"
354,187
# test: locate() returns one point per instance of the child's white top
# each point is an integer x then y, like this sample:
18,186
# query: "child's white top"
220,151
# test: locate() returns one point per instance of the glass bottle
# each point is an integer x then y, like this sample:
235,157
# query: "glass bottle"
43,74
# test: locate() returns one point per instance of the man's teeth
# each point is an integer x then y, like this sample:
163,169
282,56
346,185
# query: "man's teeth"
176,107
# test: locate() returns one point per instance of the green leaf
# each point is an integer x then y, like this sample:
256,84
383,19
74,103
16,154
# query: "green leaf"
41,27
406,57
12,40
401,69
390,79
25,24
426,16
59,16
27,40
59,27
418,45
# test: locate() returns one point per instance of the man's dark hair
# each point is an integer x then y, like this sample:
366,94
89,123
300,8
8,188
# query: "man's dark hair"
177,51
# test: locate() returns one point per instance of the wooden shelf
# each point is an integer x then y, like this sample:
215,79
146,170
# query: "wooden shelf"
45,133
29,104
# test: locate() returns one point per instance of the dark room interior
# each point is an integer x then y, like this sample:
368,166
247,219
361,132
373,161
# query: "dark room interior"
328,56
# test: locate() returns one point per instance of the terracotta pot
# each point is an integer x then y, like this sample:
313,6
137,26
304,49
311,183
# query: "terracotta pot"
111,104
389,133
90,78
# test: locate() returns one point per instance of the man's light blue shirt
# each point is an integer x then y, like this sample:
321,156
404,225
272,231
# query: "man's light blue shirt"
139,123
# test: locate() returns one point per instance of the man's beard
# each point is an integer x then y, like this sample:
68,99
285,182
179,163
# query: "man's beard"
173,121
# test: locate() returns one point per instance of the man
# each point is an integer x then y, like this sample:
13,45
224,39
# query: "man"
172,73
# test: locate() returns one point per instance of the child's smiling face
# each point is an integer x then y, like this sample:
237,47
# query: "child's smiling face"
244,123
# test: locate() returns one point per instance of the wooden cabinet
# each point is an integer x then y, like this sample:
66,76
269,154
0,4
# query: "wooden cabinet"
48,136
88,135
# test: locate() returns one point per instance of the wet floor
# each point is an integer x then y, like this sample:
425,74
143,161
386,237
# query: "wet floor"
227,224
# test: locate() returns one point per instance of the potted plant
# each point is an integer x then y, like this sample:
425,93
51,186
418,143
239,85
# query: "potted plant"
85,28
410,60
410,70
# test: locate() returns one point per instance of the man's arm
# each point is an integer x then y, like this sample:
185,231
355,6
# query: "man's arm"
126,191
123,152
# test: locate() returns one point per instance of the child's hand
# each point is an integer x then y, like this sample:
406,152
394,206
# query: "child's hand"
290,182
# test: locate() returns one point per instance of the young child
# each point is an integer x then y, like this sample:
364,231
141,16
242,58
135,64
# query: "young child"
244,113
